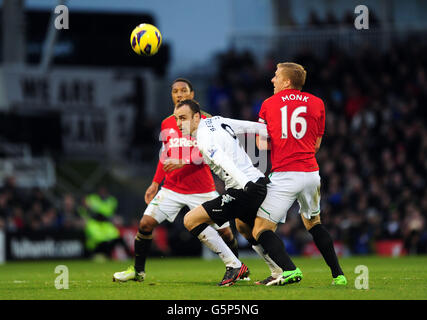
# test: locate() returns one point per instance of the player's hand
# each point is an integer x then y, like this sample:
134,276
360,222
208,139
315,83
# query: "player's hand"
151,192
256,189
172,164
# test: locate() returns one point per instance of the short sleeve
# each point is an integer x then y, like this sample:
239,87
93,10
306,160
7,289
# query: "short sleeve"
243,126
261,114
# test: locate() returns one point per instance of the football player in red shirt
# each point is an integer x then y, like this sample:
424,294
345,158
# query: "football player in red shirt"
187,181
295,124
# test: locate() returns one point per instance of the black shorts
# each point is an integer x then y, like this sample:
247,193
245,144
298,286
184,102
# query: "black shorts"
234,203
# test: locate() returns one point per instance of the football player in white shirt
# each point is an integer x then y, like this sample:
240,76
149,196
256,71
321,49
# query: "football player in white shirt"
245,185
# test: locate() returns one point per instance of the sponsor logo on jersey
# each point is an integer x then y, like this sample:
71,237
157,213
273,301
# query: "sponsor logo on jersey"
182,142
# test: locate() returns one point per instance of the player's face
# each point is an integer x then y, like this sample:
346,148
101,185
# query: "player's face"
279,81
181,91
186,121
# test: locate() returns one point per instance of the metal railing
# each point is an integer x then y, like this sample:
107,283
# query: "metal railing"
291,40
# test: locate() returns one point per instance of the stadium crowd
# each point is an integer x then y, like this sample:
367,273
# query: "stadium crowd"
30,209
373,158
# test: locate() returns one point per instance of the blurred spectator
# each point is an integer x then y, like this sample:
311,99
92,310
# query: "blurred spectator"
37,196
50,220
13,193
33,216
68,214
392,227
102,236
4,209
414,230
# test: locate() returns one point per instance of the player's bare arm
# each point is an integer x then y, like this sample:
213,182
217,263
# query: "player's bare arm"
151,192
317,145
173,164
263,143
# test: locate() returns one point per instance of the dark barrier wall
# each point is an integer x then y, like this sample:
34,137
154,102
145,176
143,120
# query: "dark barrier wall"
45,245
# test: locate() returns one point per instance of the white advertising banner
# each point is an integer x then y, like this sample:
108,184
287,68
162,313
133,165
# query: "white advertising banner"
97,105
59,88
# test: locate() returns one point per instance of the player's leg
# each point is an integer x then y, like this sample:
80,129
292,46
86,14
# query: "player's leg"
230,240
246,231
198,222
324,243
225,232
309,201
281,194
245,211
264,233
143,240
142,244
164,206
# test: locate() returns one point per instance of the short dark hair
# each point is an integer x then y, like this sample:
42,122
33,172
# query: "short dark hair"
193,104
184,80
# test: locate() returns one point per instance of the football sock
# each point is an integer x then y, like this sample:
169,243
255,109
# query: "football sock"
275,248
197,230
234,246
211,239
324,243
274,268
142,247
252,242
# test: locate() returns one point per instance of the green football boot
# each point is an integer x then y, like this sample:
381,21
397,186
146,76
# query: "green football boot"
341,280
129,274
288,277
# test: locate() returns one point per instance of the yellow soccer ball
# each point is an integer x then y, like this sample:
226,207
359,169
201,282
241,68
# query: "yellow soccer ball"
146,39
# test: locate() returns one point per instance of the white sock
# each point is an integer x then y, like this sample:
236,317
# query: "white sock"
274,268
211,239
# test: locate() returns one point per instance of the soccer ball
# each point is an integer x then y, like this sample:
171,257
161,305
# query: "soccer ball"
146,39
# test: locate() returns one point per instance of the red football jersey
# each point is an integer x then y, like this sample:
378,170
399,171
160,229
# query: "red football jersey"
195,176
294,121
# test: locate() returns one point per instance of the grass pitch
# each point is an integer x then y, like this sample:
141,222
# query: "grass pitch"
195,279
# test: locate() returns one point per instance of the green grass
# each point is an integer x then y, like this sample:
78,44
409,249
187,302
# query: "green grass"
195,279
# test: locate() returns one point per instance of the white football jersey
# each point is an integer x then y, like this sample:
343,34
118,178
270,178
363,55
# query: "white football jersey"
221,150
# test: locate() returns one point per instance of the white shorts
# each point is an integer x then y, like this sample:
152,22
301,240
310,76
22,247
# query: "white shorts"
284,189
167,204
